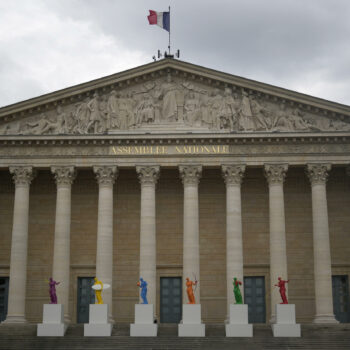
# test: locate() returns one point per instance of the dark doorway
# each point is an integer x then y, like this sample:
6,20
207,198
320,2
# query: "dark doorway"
4,293
341,307
254,296
86,296
170,299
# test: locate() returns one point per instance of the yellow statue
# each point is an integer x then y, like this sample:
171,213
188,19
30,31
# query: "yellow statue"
98,287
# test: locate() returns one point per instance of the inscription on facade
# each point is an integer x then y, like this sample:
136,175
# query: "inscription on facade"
170,150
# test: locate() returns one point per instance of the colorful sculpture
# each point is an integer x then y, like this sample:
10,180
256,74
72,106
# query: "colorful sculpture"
189,290
143,285
98,287
236,291
282,286
52,291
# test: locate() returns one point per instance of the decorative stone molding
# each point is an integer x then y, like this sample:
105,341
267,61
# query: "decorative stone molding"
275,173
63,175
22,175
105,175
233,173
190,174
148,175
318,173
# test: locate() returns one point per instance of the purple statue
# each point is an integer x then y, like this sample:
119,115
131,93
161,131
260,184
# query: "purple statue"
52,291
282,286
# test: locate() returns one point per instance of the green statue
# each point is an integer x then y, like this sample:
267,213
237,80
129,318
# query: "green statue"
236,291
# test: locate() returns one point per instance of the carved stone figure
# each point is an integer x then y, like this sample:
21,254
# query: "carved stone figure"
205,114
192,110
95,114
41,126
228,114
339,125
260,114
145,111
282,121
112,111
172,97
245,120
82,117
298,120
215,106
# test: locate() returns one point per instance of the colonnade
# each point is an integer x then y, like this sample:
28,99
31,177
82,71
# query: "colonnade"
148,175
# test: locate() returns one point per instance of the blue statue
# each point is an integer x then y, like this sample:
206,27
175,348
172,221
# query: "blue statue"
143,285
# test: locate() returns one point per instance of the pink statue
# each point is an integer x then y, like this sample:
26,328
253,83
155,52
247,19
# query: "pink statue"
282,286
52,291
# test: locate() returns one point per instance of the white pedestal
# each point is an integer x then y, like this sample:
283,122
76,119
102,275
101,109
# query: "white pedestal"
144,325
238,326
98,325
53,321
285,325
191,325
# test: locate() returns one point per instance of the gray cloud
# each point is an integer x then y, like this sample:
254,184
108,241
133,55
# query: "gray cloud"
300,45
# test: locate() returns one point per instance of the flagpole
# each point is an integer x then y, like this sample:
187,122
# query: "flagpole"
169,31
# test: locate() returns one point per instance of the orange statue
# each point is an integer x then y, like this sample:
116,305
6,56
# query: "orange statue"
189,290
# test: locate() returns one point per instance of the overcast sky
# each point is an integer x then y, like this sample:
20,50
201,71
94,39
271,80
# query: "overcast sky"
302,45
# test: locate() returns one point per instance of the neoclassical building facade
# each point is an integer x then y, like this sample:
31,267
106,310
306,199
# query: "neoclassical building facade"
172,170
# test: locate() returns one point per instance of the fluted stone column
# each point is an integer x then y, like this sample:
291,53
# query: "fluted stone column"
64,177
318,174
233,175
148,176
105,176
190,175
22,177
275,175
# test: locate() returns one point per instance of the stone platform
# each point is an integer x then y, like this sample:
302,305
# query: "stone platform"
314,337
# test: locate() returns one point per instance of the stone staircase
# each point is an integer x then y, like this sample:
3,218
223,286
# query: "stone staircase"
320,337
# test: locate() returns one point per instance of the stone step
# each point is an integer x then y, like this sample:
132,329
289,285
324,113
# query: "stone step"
316,337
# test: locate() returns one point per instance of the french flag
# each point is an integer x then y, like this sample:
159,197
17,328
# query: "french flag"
161,19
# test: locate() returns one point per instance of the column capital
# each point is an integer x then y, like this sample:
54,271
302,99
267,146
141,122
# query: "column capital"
105,174
64,175
190,174
275,173
22,175
233,173
318,173
148,175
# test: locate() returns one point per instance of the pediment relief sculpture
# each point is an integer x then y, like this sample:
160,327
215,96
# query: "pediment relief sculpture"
172,101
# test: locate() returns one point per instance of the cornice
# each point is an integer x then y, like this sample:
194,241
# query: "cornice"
161,68
175,139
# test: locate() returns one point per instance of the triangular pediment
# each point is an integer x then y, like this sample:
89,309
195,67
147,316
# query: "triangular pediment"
172,96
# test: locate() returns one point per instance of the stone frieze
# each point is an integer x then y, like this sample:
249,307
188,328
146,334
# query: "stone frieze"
173,104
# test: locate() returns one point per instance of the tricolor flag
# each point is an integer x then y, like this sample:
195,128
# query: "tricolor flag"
161,19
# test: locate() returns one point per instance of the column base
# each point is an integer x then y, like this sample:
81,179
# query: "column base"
15,319
325,319
67,319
